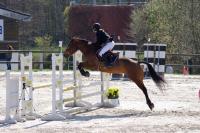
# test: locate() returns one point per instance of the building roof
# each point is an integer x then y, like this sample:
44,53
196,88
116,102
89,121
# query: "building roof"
9,13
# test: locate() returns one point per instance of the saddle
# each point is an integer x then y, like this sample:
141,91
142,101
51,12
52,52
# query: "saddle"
109,58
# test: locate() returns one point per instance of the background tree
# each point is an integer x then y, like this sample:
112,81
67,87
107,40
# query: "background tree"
174,22
47,19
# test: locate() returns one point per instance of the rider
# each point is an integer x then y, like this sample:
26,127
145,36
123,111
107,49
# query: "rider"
105,41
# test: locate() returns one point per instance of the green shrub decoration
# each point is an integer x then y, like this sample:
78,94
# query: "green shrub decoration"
112,93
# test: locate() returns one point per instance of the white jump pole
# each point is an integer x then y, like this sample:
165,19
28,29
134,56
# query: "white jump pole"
75,77
105,77
102,88
27,105
56,83
12,100
26,61
77,58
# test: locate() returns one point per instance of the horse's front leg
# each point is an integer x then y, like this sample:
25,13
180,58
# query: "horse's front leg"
82,65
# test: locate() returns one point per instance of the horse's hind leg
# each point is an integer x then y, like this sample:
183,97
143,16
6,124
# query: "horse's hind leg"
141,85
137,76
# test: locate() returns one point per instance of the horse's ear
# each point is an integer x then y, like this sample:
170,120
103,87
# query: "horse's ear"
75,38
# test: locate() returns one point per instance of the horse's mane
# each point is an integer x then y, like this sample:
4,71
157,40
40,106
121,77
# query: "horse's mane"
81,39
92,46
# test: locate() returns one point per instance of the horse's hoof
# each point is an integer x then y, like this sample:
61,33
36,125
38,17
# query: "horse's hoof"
151,106
87,74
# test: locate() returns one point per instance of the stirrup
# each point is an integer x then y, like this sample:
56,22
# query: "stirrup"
107,62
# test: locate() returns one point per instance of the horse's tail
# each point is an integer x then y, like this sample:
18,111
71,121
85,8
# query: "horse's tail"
156,78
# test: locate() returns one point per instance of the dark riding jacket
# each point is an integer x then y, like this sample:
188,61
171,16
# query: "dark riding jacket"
102,37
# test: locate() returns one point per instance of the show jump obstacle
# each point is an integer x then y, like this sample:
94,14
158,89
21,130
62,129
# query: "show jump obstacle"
13,100
58,113
155,55
25,110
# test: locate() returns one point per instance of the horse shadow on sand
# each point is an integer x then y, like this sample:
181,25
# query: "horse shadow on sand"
117,114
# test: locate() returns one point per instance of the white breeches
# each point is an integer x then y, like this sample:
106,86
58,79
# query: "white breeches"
107,47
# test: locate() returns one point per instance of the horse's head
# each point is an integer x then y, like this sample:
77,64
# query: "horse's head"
71,48
74,45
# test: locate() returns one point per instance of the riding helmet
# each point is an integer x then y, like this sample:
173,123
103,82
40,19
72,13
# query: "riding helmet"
96,26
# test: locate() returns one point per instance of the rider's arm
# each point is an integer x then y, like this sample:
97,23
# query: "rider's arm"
98,38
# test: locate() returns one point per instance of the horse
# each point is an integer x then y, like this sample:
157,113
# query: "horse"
123,65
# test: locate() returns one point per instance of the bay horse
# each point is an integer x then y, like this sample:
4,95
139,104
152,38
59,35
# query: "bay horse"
123,65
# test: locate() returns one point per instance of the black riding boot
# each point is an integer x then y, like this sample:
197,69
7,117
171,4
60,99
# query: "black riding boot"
106,60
